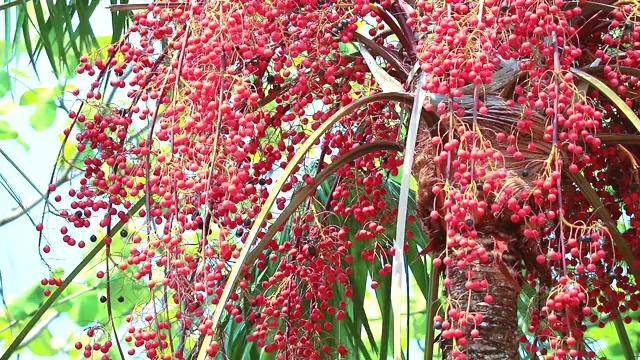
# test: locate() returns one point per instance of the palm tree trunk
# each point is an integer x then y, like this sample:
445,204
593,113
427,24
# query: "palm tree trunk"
498,332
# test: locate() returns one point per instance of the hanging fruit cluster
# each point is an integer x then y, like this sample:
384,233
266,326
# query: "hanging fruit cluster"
530,141
219,98
538,112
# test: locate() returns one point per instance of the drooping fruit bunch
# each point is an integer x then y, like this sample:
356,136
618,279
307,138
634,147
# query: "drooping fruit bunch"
514,175
218,98
527,161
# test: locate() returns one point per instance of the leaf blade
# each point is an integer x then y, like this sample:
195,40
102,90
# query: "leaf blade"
398,269
5,82
386,81
44,116
7,132
610,94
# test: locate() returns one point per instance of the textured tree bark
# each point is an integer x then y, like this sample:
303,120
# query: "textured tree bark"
499,336
508,250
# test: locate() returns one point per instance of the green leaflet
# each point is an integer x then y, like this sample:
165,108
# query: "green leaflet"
5,82
610,94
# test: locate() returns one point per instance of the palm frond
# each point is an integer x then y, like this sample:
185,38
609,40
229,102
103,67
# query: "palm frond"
62,30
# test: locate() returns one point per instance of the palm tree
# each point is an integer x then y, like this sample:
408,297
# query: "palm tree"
526,162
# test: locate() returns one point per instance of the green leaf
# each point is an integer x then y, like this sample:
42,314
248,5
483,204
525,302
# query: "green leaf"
5,331
23,144
347,48
24,21
41,344
5,82
354,332
358,280
383,295
23,306
118,21
133,293
608,340
59,34
434,276
6,132
44,99
6,106
4,46
85,309
610,94
44,116
20,73
35,95
44,30
623,338
72,351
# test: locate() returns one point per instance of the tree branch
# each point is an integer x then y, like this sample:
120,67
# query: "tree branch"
24,208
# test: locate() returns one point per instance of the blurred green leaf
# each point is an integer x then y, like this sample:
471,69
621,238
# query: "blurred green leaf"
3,50
6,132
88,308
20,73
33,96
72,351
85,309
22,307
44,115
44,99
348,48
41,310
6,106
41,344
5,332
5,82
23,144
607,340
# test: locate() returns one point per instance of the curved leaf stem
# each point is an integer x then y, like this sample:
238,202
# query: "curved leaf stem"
296,200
